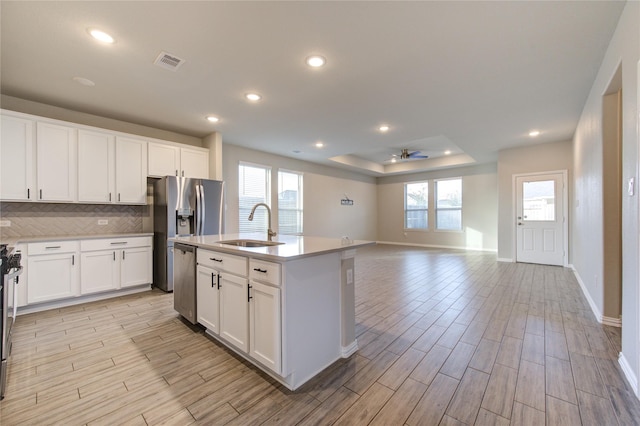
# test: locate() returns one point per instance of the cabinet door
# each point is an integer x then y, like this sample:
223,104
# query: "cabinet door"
16,159
264,325
136,267
234,310
99,271
55,162
164,160
195,164
131,171
52,277
207,299
96,159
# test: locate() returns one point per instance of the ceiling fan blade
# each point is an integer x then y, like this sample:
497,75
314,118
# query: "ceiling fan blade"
416,154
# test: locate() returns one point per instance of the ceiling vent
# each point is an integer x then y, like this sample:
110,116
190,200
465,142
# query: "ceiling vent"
168,61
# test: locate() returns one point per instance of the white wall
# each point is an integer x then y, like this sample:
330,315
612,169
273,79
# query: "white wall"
479,209
528,159
324,187
587,240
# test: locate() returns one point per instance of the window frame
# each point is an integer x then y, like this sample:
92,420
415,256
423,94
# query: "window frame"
426,210
267,200
299,203
437,209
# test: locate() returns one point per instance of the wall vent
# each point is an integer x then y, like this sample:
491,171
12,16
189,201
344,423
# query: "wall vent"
168,61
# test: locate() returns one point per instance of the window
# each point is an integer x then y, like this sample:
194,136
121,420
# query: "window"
539,200
289,203
449,204
416,203
253,188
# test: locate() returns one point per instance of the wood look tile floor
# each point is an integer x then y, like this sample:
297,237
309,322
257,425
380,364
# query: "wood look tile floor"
446,337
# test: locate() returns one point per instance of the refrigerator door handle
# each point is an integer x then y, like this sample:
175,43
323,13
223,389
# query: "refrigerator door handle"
198,206
202,209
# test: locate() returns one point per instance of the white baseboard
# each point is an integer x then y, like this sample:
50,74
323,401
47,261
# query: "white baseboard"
592,304
628,373
614,322
396,243
504,259
347,351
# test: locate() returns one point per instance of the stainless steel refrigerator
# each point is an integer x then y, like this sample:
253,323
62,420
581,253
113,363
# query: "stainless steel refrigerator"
181,207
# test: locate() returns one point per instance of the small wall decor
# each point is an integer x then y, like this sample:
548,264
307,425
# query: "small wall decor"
346,201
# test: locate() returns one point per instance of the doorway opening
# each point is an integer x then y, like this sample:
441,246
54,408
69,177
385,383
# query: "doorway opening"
612,189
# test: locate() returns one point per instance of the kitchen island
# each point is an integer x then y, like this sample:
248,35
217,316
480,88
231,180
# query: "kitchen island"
289,308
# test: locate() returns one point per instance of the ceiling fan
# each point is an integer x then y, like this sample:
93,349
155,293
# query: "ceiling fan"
406,155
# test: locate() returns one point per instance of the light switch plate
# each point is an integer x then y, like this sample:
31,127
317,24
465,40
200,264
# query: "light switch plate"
4,223
103,222
631,186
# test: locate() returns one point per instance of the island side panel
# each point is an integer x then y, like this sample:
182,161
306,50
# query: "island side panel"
311,316
348,303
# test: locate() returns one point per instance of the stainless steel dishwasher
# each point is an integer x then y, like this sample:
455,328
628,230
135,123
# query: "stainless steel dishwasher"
184,281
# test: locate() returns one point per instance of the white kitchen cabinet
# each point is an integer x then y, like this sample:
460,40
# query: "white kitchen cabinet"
234,310
131,171
17,155
170,160
53,271
265,331
136,266
56,158
99,271
194,163
207,298
96,167
115,263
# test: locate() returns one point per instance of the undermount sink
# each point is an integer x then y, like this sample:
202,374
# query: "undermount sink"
250,243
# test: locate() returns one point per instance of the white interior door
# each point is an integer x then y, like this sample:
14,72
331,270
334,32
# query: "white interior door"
540,221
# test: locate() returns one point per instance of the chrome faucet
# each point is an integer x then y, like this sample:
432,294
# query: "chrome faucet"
270,232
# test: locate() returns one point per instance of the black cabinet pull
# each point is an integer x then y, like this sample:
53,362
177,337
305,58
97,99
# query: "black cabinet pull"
41,194
28,194
249,287
219,285
264,271
213,280
114,256
215,260
122,254
73,259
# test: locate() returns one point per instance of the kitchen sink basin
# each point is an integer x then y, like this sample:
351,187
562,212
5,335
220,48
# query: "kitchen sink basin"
250,243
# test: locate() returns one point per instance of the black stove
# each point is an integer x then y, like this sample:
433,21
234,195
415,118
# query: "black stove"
10,270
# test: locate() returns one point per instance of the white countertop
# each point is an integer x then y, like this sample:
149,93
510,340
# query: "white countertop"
294,247
12,242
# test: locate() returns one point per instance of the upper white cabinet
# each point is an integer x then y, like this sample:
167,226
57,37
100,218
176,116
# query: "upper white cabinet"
170,160
96,167
131,170
111,169
17,155
194,163
55,162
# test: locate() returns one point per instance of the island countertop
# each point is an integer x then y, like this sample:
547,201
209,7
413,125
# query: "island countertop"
294,247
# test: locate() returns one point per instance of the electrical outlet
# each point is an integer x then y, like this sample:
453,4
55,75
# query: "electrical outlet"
103,222
349,276
4,223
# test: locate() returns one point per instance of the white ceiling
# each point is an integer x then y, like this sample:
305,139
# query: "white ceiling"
474,77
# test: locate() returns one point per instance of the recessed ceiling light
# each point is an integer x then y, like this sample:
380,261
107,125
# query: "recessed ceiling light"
447,152
534,133
213,118
384,128
84,81
319,144
101,36
316,61
394,159
253,97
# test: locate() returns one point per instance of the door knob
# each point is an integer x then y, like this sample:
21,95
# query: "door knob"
520,223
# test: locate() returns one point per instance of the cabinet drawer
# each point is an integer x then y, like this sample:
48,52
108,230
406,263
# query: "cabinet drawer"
268,272
223,262
51,247
114,243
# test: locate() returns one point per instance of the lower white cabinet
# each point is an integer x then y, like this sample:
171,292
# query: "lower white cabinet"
114,263
234,310
53,271
265,329
242,307
207,298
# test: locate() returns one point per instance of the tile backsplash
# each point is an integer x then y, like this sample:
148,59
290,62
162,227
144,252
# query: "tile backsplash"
49,219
